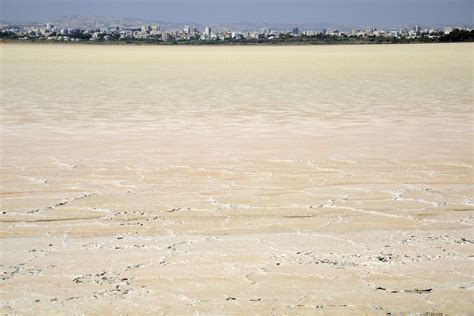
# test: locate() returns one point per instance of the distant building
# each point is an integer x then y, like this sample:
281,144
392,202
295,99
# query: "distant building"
417,29
167,36
412,34
207,33
447,30
371,31
189,33
237,36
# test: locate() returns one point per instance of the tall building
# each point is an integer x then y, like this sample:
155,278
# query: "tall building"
296,31
417,29
207,33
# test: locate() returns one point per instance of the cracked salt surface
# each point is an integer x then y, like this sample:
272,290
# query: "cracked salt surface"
287,201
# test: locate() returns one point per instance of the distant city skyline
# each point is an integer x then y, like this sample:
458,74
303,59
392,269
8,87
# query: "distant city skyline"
342,12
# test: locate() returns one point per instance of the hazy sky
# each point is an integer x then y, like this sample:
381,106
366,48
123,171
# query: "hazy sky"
346,12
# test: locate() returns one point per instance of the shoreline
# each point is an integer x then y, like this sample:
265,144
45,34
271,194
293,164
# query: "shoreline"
207,44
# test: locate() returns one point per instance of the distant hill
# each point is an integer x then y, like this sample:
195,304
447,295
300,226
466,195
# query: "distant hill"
90,22
87,22
80,21
245,27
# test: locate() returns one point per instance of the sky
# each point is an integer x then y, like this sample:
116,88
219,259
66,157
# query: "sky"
342,12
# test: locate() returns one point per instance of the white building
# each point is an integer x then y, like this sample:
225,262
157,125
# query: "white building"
207,33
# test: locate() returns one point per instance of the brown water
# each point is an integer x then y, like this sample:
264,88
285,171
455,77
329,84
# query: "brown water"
233,180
